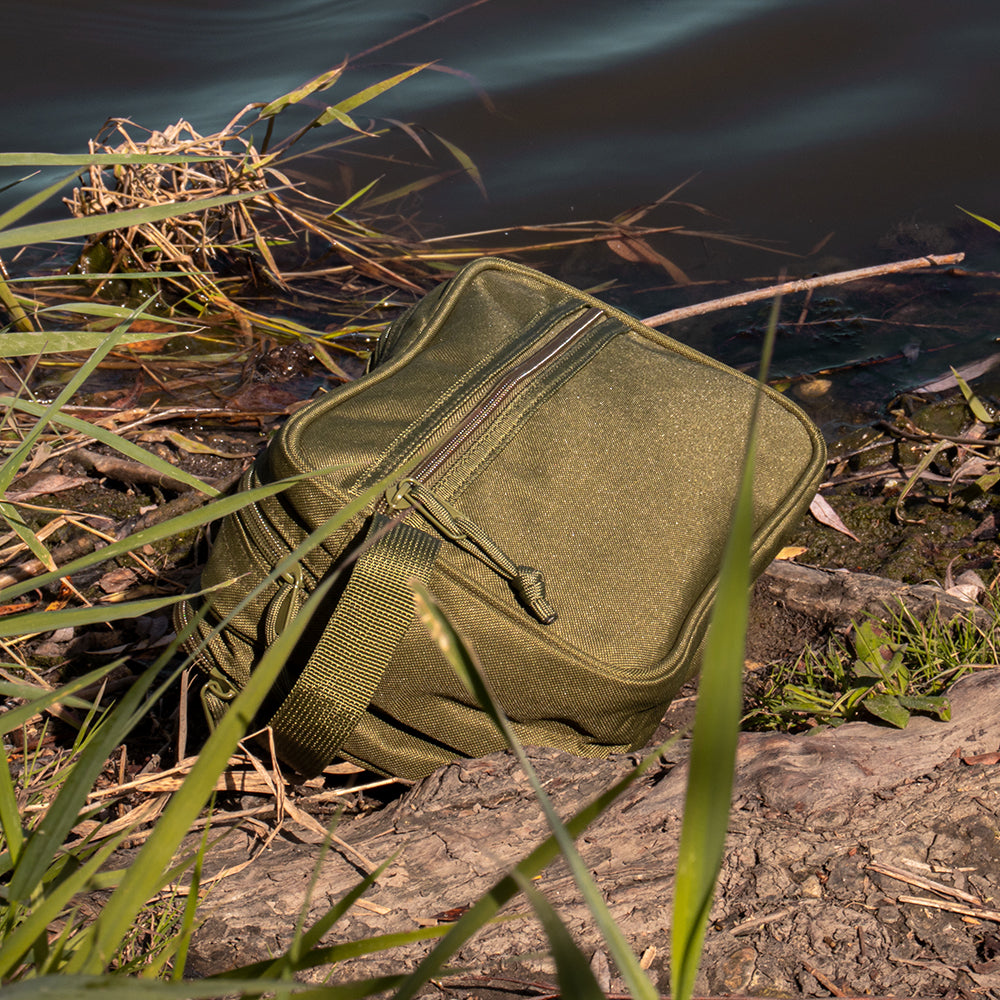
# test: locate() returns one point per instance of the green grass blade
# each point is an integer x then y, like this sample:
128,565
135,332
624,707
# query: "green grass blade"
32,622
15,310
331,954
25,345
464,662
120,987
490,903
67,229
576,979
22,208
465,162
10,813
16,459
50,834
141,879
716,727
94,159
188,521
303,943
50,904
112,440
15,718
347,105
979,218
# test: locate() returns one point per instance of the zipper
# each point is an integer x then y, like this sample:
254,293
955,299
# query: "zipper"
414,491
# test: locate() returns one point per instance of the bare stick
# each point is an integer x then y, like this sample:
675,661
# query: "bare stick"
924,883
802,285
981,913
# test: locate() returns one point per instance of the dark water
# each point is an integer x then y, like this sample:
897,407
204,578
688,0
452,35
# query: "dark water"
800,117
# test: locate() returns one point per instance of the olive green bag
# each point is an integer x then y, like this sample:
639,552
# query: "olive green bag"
560,476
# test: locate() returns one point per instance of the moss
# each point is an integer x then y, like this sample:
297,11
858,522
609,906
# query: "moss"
902,550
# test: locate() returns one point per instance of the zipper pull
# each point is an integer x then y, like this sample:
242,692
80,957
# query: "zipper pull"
285,605
526,581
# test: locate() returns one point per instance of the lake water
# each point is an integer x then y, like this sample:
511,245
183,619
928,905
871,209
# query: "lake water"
799,118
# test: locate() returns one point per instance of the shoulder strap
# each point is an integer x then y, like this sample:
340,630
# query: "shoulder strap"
338,682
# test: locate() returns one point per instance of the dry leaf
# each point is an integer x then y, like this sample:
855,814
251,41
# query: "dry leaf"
825,514
791,552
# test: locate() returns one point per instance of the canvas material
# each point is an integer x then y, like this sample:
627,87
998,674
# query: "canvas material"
608,459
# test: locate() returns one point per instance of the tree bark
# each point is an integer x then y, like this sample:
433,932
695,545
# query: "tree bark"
810,812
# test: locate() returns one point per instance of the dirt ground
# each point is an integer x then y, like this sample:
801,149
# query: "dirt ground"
799,911
842,848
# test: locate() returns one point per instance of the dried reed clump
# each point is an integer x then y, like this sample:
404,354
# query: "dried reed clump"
195,243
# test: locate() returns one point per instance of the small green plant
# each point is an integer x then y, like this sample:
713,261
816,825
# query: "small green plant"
879,672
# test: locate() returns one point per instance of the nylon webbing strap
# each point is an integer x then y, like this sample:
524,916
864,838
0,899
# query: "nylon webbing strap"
357,644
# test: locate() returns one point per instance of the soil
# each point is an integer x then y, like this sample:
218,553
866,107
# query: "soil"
798,911
800,908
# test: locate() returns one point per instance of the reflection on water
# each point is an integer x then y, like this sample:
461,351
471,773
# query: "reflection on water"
800,117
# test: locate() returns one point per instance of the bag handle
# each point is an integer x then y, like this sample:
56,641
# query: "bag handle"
346,666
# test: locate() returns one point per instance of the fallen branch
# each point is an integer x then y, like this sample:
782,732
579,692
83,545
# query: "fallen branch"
802,285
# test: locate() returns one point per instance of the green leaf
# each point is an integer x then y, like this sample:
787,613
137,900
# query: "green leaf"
979,218
938,705
23,345
465,162
48,232
976,405
888,708
346,106
313,86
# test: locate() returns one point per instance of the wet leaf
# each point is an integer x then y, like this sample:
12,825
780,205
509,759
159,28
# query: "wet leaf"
975,403
465,162
636,250
200,448
921,468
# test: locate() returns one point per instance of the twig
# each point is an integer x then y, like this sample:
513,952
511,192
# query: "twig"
824,981
767,918
924,883
802,285
946,904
